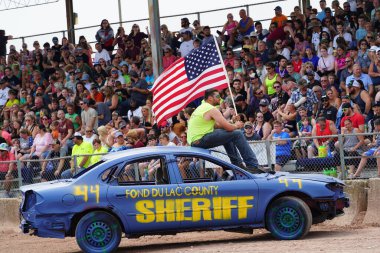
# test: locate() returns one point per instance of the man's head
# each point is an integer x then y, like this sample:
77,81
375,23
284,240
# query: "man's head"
321,121
61,114
278,11
277,125
242,13
347,109
263,105
212,97
77,138
236,83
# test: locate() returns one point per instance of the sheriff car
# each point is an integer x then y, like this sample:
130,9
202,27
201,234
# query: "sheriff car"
165,190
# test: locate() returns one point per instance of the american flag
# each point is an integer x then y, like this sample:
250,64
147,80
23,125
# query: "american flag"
187,79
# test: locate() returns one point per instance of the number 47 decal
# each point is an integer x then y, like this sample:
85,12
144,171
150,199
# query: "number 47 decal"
286,182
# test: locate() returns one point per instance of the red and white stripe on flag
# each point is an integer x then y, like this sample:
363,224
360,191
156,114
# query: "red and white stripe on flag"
173,90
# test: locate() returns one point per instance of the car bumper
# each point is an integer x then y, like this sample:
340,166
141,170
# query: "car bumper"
50,226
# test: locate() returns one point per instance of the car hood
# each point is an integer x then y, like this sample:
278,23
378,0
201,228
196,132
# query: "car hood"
46,185
310,177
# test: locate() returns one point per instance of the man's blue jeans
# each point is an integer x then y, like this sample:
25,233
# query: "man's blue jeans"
232,142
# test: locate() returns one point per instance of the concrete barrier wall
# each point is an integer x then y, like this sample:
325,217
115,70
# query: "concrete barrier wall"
372,216
9,214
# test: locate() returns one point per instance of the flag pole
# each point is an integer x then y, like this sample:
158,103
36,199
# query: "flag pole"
225,72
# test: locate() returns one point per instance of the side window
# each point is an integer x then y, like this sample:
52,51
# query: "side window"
198,170
149,171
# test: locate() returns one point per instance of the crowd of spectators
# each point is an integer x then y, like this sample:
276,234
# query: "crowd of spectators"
307,74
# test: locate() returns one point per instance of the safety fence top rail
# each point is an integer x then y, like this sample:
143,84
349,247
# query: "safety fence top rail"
167,16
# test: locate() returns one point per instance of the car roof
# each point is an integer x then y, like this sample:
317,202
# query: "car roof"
157,150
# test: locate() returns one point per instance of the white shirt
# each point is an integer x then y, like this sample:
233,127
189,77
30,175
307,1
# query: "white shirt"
137,112
347,37
186,48
286,53
103,54
4,96
90,139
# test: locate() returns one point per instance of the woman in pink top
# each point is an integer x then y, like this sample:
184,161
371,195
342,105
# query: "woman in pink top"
42,143
340,60
168,58
229,27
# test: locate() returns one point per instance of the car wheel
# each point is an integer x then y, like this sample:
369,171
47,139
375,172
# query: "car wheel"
98,232
288,218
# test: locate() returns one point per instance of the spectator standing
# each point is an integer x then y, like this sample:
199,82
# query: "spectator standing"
137,35
279,18
187,44
101,53
245,26
139,89
229,27
105,36
89,116
360,97
357,120
283,147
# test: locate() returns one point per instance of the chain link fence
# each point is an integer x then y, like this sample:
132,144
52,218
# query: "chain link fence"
335,156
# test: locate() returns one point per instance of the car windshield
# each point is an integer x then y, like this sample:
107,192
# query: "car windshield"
88,169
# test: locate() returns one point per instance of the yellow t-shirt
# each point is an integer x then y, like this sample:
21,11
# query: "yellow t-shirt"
85,148
12,102
95,157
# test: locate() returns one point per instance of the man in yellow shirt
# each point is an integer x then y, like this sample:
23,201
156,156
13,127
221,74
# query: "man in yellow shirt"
202,132
81,153
279,18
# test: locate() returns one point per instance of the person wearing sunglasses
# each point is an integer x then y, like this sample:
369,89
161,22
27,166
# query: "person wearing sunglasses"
203,134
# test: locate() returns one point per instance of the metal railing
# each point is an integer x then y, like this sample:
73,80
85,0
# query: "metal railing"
338,161
145,21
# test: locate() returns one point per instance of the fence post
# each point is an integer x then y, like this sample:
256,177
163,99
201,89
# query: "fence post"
247,8
75,164
269,157
19,174
199,17
341,156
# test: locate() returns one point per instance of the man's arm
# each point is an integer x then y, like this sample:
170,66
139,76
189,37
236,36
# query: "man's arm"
221,121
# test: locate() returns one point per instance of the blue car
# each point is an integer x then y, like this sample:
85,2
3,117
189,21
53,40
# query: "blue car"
165,190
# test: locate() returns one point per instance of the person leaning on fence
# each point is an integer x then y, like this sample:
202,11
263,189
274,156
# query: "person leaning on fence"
283,148
323,127
81,156
373,151
7,169
202,132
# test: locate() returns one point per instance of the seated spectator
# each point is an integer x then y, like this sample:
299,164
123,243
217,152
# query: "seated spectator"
356,118
373,151
81,156
119,144
245,26
89,135
264,109
8,171
287,114
98,151
310,57
305,97
304,128
283,148
270,79
52,167
133,139
376,115
326,110
324,128
249,134
164,140
229,27
260,127
352,145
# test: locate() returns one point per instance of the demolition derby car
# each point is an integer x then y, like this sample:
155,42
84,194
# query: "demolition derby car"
165,190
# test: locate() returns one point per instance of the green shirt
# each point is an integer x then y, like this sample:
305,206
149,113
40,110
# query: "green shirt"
198,126
72,117
85,148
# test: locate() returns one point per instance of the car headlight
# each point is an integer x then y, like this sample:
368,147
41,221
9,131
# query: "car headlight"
30,200
335,187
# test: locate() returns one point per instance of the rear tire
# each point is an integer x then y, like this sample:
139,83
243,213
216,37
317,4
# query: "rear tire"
98,232
288,218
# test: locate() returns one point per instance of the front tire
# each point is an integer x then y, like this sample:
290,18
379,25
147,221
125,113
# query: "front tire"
288,218
98,232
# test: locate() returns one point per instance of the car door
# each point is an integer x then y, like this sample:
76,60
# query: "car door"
142,191
214,193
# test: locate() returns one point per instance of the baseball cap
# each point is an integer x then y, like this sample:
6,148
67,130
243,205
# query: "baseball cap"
302,82
295,52
133,73
85,77
4,146
239,98
357,83
55,39
373,48
324,97
118,133
376,104
278,8
248,123
346,106
122,125
187,32
77,135
253,34
264,102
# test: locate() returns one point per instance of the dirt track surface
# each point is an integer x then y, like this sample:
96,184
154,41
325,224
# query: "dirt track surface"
320,239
